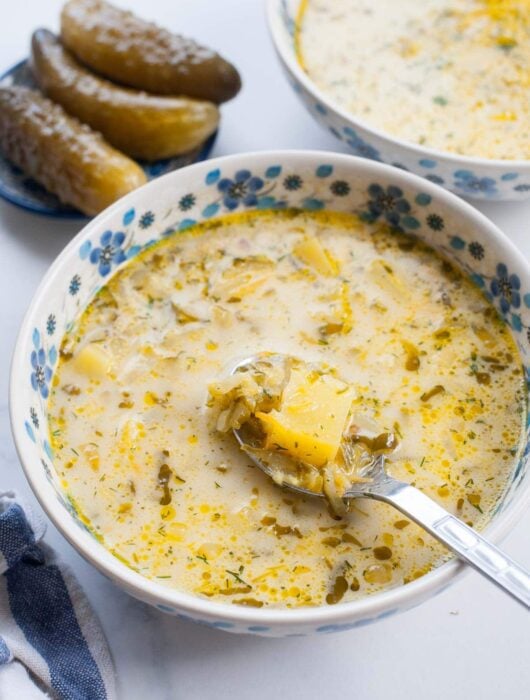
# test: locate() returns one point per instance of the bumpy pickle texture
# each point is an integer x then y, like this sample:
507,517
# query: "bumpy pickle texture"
134,52
143,126
66,157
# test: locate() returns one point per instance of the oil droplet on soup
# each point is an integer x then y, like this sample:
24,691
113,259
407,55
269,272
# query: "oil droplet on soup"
427,356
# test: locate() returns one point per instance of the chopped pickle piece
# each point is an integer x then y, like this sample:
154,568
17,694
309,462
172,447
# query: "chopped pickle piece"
427,395
63,155
381,444
382,553
237,398
249,602
311,419
311,252
143,126
93,361
412,360
131,51
340,586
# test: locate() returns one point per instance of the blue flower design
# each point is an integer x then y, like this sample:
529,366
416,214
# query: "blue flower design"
51,324
146,219
435,178
476,250
388,202
293,182
242,188
360,147
289,23
75,285
506,288
110,253
340,188
34,417
47,470
527,378
469,183
435,222
41,373
187,202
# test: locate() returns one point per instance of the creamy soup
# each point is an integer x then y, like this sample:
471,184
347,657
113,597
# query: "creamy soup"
425,357
453,75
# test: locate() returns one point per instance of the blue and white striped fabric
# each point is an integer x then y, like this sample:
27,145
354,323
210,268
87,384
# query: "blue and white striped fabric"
46,622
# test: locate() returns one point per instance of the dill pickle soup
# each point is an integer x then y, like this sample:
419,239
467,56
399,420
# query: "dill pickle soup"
451,75
426,356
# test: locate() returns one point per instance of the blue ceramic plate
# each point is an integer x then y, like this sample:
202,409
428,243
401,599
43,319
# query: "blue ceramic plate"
29,194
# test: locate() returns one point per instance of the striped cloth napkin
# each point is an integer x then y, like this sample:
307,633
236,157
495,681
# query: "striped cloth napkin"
51,643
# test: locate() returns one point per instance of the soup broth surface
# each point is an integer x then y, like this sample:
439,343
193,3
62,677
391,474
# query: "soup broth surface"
452,75
135,443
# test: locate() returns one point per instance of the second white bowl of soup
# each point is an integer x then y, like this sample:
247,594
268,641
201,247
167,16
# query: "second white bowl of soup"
438,88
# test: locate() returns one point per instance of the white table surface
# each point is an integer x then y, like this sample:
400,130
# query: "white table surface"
469,642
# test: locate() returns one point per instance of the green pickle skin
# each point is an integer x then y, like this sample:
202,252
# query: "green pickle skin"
133,52
63,155
143,126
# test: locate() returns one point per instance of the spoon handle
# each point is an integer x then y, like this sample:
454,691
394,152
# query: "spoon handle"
463,540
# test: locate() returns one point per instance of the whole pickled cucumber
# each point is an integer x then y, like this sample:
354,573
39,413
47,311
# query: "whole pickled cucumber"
66,157
134,52
141,125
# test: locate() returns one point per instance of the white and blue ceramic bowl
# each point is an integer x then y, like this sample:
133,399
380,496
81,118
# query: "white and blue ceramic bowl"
173,203
477,178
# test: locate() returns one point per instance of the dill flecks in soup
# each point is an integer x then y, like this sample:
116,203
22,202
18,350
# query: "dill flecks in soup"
453,75
422,354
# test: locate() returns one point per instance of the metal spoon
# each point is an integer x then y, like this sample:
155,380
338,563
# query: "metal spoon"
461,539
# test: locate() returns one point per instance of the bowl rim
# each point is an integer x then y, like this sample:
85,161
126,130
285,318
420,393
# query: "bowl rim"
401,597
289,59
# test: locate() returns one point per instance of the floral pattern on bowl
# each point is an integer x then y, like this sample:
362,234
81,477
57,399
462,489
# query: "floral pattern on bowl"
476,178
310,181
19,189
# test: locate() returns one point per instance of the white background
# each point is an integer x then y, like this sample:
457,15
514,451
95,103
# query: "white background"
470,642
